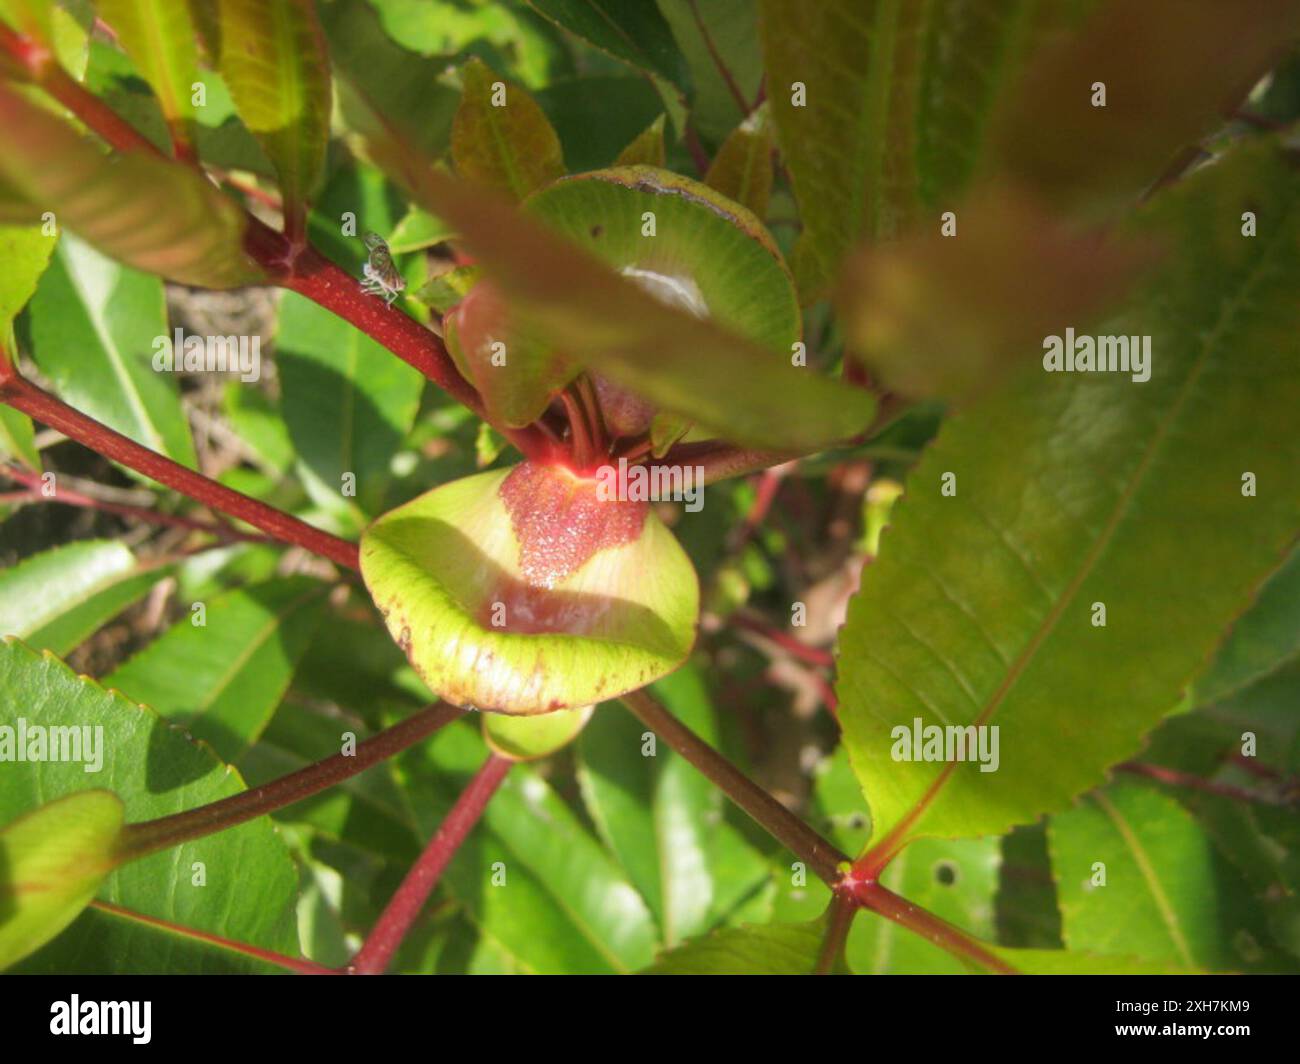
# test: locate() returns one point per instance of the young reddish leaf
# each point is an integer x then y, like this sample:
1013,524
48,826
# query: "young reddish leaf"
946,313
742,169
524,591
1169,72
647,149
146,212
159,36
722,371
274,60
842,81
985,604
501,137
52,861
514,373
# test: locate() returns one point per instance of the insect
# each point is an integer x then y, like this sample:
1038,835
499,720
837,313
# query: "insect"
381,276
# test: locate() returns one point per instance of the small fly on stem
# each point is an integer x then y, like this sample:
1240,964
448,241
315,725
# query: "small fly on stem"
381,276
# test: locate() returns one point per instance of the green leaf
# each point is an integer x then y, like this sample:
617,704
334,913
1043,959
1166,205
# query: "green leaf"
109,941
25,252
595,117
648,147
239,883
972,56
62,27
489,624
148,213
717,35
532,877
530,738
630,30
661,818
159,37
96,328
850,146
58,598
1163,895
384,88
1170,70
52,860
1073,490
501,137
274,60
769,949
742,169
743,390
1262,641
224,679
1078,962
347,403
418,229
18,438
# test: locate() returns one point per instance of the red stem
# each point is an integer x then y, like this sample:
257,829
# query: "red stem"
45,408
843,908
149,836
293,964
141,513
402,910
1174,778
734,89
805,653
818,854
882,900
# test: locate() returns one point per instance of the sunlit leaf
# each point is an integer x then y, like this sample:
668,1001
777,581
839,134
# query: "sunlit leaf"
96,329
239,883
52,861
983,606
274,60
222,680
1136,875
56,599
159,36
150,214
501,137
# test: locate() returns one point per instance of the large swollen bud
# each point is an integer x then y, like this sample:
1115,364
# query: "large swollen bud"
530,590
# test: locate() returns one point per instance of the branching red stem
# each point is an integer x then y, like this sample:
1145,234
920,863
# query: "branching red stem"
402,910
45,408
1174,778
818,854
140,513
752,622
882,900
151,835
